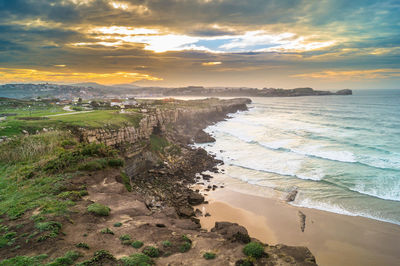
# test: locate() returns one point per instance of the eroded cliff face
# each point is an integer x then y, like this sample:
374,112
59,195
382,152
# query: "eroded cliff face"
180,124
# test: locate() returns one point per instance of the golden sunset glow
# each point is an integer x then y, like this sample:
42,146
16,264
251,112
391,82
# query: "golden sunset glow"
352,74
211,63
27,75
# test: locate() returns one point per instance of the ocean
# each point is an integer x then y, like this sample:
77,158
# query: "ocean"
342,153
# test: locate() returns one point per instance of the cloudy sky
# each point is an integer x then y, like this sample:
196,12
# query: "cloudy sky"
325,44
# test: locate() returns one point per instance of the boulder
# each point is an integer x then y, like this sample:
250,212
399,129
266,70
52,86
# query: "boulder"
195,198
185,211
291,196
232,231
203,137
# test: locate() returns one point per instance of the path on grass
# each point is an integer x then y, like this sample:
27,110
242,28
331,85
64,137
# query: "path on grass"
74,113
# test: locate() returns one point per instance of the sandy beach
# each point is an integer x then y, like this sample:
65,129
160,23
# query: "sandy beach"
334,239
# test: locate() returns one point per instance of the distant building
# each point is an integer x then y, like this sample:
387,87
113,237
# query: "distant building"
130,103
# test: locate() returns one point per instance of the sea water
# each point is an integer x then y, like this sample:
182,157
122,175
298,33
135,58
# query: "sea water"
342,153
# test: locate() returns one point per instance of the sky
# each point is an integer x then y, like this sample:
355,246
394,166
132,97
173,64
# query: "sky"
324,44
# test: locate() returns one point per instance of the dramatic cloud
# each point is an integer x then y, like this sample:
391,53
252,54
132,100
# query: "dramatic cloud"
282,43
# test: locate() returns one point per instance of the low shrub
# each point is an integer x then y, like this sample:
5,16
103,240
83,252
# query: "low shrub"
186,239
254,250
99,209
91,166
185,247
244,262
137,244
101,257
126,242
82,245
68,259
166,243
137,259
48,226
127,181
209,255
125,237
68,143
152,252
107,231
53,229
118,224
74,195
115,162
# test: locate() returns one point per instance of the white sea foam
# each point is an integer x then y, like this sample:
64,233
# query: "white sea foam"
318,151
336,208
388,192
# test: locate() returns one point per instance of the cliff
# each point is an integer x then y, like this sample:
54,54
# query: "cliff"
180,120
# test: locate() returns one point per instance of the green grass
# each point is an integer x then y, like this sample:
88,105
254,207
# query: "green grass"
99,209
95,119
30,176
24,261
7,239
18,194
51,229
68,259
33,148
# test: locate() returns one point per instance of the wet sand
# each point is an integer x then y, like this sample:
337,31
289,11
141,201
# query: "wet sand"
334,239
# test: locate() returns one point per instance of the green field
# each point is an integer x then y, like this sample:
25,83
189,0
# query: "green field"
32,117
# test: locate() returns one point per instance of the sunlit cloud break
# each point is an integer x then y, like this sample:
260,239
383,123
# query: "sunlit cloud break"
159,41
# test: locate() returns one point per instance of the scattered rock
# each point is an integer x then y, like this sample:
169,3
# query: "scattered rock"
185,211
203,137
232,231
198,213
170,212
291,195
194,198
302,217
207,214
207,177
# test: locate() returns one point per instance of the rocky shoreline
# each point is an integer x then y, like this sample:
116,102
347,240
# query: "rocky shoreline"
168,185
